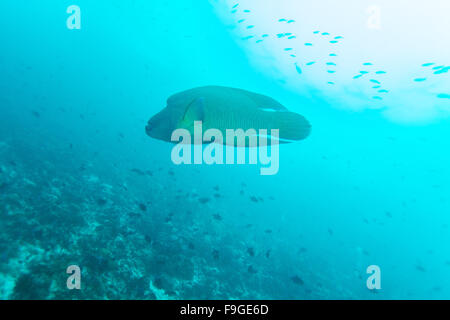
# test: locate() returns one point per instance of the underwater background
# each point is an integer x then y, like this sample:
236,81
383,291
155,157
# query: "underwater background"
82,184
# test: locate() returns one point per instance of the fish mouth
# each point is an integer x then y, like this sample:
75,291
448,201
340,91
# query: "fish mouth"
148,129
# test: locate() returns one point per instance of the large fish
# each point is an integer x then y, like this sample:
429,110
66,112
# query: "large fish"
225,108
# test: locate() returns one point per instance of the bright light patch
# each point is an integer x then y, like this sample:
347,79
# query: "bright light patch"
388,55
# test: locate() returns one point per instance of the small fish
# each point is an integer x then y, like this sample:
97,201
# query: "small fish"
287,49
281,20
250,27
297,280
308,44
251,252
251,270
375,81
427,64
310,63
299,70
325,34
247,38
235,6
316,32
420,79
380,72
443,70
143,207
240,21
203,200
217,216
334,41
333,55
443,96
367,64
377,98
291,21
265,35
331,64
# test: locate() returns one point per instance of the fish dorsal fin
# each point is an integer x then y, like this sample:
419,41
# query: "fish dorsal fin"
264,102
195,111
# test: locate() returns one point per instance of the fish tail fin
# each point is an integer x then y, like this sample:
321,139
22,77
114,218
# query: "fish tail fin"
292,126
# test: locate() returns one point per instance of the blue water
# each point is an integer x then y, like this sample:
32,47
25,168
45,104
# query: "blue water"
82,184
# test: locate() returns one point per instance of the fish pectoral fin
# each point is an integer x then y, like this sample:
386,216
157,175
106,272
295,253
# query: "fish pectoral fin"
195,111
